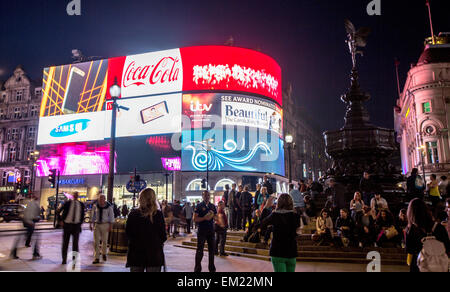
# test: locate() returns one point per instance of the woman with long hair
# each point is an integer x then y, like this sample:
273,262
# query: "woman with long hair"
356,206
146,234
283,247
420,224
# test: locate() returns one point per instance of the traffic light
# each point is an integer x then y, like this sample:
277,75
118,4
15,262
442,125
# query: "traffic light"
18,185
52,178
204,183
25,189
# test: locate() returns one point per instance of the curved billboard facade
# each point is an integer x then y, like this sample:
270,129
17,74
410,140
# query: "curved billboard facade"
175,100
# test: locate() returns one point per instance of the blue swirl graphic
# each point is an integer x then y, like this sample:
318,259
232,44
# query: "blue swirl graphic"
231,155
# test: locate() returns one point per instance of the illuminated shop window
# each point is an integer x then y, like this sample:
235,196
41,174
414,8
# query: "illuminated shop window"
426,107
220,185
433,156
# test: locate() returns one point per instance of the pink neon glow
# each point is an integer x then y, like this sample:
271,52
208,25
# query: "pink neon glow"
159,142
172,164
74,159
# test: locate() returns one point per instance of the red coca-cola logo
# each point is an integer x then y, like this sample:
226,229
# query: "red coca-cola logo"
165,70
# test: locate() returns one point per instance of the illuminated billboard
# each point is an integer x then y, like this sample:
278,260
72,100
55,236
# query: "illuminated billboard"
165,97
208,110
247,150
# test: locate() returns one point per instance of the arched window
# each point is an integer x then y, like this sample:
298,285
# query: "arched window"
195,185
220,185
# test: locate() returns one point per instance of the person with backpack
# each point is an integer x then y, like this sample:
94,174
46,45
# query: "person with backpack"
415,185
427,243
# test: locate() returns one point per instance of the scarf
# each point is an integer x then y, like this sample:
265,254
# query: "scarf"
100,209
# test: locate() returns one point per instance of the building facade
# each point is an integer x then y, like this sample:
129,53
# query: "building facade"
19,112
422,114
308,158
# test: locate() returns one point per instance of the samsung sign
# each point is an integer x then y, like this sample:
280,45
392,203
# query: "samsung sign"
72,181
70,128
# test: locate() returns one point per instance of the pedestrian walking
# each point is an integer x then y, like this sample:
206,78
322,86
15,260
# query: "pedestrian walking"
31,216
188,212
220,227
101,223
284,221
204,216
146,234
71,219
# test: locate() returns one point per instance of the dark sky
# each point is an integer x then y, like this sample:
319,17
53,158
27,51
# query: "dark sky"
305,37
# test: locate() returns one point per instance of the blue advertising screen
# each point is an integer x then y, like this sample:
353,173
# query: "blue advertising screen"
243,149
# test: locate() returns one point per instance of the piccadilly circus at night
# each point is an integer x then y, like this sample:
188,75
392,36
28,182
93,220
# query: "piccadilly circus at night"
193,118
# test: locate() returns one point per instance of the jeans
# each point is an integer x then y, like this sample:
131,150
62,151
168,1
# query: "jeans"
28,235
70,230
221,238
146,269
238,219
188,225
284,264
246,217
231,219
202,236
100,234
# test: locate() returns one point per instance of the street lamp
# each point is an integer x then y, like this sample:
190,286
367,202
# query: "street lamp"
114,91
289,141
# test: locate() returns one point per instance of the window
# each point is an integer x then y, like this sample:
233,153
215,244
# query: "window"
19,95
433,156
220,185
2,114
12,154
9,135
17,114
30,149
33,111
429,130
31,132
195,185
426,107
16,134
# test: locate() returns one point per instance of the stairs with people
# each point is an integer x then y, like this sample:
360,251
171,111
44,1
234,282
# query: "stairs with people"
308,251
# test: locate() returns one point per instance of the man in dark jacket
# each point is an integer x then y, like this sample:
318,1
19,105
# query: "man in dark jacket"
366,187
268,185
237,208
231,203
245,201
72,218
204,215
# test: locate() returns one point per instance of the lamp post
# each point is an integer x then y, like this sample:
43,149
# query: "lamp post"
114,91
289,141
208,148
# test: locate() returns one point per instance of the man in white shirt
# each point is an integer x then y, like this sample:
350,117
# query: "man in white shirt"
72,218
378,203
103,219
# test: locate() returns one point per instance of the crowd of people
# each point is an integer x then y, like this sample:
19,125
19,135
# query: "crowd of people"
265,217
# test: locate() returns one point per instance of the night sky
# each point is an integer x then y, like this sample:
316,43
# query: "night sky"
305,37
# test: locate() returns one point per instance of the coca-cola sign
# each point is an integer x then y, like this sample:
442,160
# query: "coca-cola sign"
152,73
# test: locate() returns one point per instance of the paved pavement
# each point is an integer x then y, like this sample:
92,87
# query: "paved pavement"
178,259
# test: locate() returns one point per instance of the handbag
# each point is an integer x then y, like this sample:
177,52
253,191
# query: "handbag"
391,232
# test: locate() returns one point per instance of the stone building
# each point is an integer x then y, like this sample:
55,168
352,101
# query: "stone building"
422,114
308,158
19,112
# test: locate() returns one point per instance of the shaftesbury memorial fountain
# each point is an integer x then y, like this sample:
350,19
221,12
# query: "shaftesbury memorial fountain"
360,146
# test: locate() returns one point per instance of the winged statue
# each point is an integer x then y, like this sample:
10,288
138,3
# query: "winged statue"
356,39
